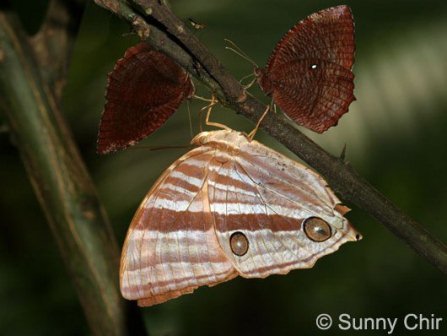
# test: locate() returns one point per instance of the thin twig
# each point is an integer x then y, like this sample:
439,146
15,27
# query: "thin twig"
155,22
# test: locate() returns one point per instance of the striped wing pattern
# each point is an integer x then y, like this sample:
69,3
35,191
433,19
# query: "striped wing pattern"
180,236
171,247
273,197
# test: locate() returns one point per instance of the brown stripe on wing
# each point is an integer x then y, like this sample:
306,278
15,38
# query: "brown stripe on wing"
163,266
195,221
276,205
261,222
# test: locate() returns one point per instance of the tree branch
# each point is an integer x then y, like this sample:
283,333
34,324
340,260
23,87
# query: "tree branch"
59,177
154,22
52,45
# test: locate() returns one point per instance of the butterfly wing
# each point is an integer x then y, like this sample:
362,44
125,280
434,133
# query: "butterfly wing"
182,234
171,247
309,73
144,89
267,197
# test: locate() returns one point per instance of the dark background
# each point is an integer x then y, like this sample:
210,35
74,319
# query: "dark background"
395,135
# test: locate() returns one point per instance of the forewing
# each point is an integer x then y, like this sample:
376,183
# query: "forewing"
327,35
266,197
144,89
171,247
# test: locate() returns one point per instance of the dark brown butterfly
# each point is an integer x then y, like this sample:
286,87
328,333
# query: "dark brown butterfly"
144,89
309,73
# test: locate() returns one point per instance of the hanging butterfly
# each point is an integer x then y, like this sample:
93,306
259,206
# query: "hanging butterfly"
226,208
309,72
144,89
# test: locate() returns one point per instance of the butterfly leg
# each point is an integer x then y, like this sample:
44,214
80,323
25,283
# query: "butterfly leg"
203,99
208,113
210,101
252,134
191,132
249,85
238,51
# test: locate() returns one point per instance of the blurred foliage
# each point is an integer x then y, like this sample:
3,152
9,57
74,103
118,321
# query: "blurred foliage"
395,137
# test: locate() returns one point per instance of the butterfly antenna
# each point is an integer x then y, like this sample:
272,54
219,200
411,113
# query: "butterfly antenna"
238,51
202,99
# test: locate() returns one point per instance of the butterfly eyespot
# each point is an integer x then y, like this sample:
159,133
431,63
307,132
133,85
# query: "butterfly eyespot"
317,229
239,243
313,66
